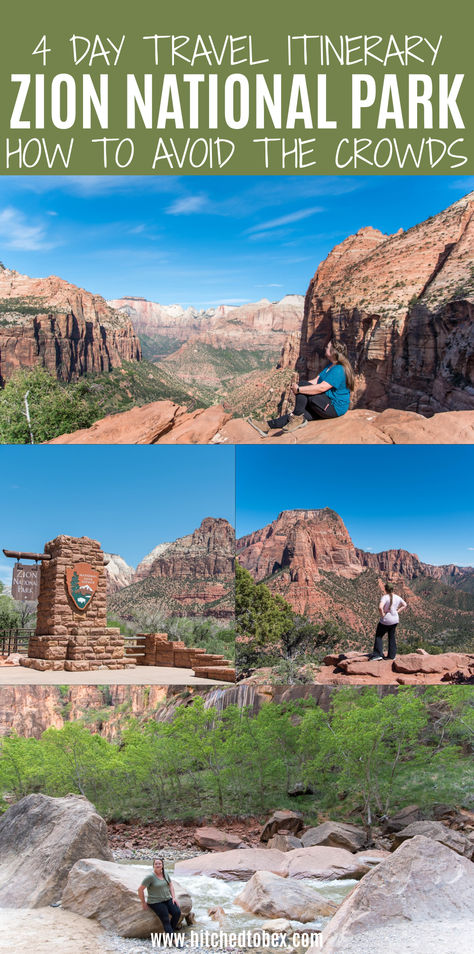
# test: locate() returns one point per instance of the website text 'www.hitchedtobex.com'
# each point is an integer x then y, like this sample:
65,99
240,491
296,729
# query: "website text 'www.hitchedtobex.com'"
242,939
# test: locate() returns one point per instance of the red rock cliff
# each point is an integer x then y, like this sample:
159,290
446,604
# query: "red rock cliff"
68,331
403,305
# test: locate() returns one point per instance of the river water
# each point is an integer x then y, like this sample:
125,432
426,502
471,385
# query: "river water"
207,893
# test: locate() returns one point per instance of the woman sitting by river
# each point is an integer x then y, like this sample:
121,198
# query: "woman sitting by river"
323,397
161,897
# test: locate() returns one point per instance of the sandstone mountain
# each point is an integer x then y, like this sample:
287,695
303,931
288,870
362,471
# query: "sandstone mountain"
65,329
403,305
194,576
261,325
119,573
308,557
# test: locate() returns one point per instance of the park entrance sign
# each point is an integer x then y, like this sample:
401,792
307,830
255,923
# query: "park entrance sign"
26,582
82,581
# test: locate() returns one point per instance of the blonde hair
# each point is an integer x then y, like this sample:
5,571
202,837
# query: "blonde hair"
339,352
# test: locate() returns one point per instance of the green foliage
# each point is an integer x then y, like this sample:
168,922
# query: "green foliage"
215,637
59,408
269,628
369,754
9,616
54,408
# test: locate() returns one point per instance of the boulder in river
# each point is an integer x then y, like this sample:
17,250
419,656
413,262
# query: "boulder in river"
423,881
439,832
107,892
237,865
270,896
325,864
335,835
41,838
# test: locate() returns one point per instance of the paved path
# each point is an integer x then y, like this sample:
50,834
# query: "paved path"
140,676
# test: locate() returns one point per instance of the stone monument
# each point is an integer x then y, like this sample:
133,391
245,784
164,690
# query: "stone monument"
71,629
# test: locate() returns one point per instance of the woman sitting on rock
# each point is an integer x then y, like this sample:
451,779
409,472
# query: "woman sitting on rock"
326,396
161,897
389,608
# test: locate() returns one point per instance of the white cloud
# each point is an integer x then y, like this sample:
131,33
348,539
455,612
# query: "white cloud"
16,231
188,205
466,183
470,548
283,220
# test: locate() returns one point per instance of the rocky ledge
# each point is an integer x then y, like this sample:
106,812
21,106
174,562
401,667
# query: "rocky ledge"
418,668
163,422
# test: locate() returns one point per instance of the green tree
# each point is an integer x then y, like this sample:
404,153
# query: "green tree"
54,408
9,616
361,744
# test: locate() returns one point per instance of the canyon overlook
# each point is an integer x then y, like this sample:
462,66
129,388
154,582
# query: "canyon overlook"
308,557
401,303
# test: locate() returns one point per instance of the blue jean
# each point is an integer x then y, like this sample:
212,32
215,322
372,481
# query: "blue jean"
168,912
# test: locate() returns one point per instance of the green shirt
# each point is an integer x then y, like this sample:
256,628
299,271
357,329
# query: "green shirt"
157,889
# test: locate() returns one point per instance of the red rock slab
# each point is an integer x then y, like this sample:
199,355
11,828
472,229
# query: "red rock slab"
364,427
237,865
140,425
213,839
199,427
366,667
414,663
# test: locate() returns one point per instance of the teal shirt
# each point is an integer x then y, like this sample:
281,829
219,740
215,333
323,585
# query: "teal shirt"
339,393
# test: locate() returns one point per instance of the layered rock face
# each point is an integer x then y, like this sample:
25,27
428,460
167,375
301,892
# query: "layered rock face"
308,557
262,324
118,572
192,576
65,329
403,305
400,564
206,552
295,548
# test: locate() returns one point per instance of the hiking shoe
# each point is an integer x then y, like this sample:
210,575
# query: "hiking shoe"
296,421
375,658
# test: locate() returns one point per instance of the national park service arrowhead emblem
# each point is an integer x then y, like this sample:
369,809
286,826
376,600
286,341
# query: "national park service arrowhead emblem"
82,582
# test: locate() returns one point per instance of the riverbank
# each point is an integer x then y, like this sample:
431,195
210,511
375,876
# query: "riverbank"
174,840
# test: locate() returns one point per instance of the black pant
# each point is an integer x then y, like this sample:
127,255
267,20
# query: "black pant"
383,628
313,406
168,912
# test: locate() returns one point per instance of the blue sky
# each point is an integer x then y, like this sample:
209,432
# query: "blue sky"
418,498
128,498
201,240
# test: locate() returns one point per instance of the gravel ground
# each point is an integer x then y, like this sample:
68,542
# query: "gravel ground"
147,854
425,937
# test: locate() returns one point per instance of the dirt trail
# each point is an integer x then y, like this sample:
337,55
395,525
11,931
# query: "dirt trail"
50,931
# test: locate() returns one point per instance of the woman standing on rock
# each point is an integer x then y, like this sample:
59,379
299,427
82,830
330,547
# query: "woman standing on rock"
389,608
326,396
161,897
